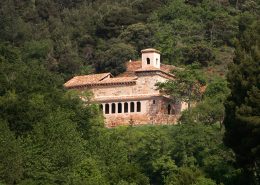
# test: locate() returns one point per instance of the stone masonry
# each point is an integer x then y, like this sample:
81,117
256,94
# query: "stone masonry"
132,97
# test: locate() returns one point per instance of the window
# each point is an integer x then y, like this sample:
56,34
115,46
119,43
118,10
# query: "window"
169,109
132,107
119,107
157,61
101,107
107,108
148,61
125,107
113,108
153,101
138,109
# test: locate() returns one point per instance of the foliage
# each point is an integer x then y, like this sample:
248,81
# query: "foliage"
198,53
138,35
49,136
11,156
242,106
186,33
68,36
211,109
51,151
186,85
114,57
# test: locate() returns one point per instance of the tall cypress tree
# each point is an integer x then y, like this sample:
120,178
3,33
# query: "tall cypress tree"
242,107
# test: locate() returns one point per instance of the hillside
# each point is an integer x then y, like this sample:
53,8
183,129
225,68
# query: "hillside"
79,37
49,136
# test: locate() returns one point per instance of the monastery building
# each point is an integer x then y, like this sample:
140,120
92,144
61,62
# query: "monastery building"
132,97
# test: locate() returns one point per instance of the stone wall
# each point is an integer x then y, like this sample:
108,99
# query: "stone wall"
154,107
145,85
153,111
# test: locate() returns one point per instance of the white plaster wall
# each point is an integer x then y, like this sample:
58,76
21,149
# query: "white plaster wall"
153,56
184,106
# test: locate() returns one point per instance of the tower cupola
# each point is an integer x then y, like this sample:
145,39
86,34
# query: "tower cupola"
150,57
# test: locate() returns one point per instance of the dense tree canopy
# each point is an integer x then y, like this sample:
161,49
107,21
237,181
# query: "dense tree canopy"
242,119
186,85
69,35
49,136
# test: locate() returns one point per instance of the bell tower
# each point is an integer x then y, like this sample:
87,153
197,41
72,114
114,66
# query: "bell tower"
150,57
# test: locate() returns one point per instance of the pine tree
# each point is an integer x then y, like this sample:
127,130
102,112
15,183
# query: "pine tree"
242,108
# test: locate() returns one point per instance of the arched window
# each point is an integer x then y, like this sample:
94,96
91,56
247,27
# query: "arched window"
132,107
148,61
138,109
113,108
107,108
125,107
169,109
119,107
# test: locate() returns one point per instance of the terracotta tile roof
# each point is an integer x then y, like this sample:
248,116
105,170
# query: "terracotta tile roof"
133,65
149,68
162,73
118,80
97,79
167,68
127,77
86,79
127,74
136,65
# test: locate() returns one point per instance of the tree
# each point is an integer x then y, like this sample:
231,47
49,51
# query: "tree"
114,20
242,108
211,109
188,176
114,57
200,53
88,172
11,156
186,85
138,35
53,149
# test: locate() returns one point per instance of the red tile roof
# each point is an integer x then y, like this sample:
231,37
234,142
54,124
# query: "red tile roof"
149,68
167,68
97,79
127,77
137,66
133,65
118,79
164,70
86,79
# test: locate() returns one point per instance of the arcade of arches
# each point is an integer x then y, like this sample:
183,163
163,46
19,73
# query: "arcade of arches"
125,107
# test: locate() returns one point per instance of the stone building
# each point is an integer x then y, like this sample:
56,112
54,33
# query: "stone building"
131,97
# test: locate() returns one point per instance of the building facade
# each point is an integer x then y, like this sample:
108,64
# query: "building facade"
132,97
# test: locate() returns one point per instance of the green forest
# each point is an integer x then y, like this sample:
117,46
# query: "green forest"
48,136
